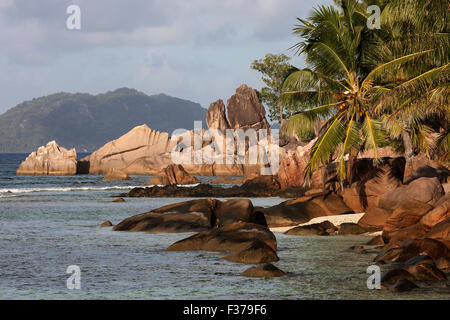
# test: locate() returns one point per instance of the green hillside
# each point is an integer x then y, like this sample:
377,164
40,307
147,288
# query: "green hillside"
86,121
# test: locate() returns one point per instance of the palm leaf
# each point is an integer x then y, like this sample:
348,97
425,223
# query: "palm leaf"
326,145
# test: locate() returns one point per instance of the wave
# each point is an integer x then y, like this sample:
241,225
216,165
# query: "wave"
7,191
67,189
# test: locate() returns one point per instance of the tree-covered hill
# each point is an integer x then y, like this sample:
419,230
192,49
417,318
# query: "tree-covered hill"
87,121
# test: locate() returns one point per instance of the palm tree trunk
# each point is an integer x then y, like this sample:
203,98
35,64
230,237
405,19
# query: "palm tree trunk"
409,156
352,156
408,145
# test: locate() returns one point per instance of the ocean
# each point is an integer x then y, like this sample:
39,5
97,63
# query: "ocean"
49,223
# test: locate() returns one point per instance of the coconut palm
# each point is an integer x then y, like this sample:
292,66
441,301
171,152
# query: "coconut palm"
418,109
351,69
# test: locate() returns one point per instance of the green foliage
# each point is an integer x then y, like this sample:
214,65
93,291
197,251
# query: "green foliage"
274,69
368,85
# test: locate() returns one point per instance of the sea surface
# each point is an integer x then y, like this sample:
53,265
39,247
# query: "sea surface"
48,223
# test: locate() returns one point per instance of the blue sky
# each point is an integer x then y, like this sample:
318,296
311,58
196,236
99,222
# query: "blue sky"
198,50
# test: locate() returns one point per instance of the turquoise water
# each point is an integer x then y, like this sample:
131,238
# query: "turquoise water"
49,223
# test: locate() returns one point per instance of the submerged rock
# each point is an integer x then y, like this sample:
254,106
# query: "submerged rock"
317,229
116,175
404,285
376,241
172,175
350,228
263,271
188,216
107,223
230,238
257,252
119,200
392,276
423,268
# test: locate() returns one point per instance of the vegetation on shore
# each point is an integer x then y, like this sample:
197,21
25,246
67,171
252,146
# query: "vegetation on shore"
372,87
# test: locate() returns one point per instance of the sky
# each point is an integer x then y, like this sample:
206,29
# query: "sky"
199,50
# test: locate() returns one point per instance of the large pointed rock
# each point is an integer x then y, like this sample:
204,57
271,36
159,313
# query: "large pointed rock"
216,116
137,152
50,160
245,110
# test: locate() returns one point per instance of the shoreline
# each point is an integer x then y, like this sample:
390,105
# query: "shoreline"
335,219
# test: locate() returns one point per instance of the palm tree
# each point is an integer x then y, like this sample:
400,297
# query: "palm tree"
419,108
351,69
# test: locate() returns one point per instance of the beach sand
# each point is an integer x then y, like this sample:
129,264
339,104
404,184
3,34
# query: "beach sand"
336,220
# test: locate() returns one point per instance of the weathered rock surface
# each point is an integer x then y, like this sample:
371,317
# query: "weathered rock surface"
374,219
317,229
50,160
440,232
292,167
427,190
421,166
245,110
372,182
410,248
234,210
216,116
423,268
394,275
172,175
263,271
404,285
376,241
231,238
136,152
257,252
405,215
437,214
107,223
115,175
301,210
262,186
351,228
188,216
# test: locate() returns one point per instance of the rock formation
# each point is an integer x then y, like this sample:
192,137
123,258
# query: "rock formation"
245,110
263,271
137,152
172,175
50,160
188,216
216,116
115,175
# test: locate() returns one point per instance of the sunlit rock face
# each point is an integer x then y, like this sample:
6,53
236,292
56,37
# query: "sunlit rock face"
50,160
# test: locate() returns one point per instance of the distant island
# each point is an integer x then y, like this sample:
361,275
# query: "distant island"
86,122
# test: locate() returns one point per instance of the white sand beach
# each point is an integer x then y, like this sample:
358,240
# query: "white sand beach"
336,220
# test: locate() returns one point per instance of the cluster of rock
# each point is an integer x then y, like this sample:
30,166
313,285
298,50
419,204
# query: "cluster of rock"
145,151
415,223
50,160
173,175
245,111
233,227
